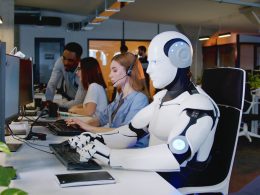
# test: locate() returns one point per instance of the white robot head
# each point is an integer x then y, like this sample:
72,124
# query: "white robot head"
167,52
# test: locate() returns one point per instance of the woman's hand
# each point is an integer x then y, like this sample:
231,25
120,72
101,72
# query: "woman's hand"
82,124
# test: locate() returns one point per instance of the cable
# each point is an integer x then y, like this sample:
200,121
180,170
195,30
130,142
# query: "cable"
27,142
31,134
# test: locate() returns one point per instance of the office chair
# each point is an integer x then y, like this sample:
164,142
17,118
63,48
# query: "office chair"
249,114
226,87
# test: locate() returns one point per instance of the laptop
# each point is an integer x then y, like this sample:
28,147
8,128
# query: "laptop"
70,158
60,128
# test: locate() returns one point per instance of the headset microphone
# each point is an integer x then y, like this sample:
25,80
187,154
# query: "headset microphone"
120,79
129,71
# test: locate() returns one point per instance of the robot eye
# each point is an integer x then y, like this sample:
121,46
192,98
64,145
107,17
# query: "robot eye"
152,61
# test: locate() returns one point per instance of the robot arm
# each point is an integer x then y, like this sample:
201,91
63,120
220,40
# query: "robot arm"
198,126
180,147
122,137
195,127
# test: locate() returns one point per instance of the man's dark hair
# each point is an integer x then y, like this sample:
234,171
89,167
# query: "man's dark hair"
142,48
74,47
123,49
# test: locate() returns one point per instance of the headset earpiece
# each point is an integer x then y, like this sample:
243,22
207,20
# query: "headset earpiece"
129,71
178,52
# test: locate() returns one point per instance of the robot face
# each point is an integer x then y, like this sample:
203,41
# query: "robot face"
160,70
167,52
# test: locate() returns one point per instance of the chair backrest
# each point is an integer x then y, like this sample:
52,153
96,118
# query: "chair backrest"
226,87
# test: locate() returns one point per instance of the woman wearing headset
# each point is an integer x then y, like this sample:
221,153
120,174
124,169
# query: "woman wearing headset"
131,98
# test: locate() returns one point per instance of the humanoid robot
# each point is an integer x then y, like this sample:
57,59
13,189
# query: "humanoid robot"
181,120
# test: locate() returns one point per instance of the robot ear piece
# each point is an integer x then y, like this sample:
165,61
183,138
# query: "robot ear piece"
178,52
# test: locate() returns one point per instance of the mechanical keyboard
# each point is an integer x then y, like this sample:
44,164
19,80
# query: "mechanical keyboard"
70,158
60,128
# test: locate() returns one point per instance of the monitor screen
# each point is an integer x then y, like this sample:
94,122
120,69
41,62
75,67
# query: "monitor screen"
26,82
2,91
12,72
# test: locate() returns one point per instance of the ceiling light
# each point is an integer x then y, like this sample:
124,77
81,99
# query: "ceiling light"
112,6
102,17
126,1
224,35
87,27
99,19
237,2
204,38
112,10
94,23
1,20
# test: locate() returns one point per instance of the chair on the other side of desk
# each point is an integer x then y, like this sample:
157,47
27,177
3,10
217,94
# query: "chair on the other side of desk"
251,104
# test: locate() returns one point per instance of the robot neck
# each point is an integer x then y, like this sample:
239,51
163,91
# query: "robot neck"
180,84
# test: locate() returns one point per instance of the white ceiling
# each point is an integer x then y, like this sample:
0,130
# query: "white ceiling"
199,13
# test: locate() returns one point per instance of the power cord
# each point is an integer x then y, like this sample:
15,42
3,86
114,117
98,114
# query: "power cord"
31,134
30,144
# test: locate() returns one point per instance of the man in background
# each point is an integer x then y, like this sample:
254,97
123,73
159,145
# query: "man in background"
142,54
123,48
143,59
64,72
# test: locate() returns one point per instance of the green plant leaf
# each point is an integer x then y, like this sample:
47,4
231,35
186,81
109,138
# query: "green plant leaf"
13,191
4,148
254,81
6,175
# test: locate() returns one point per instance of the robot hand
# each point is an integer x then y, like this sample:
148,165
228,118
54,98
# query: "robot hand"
95,149
78,142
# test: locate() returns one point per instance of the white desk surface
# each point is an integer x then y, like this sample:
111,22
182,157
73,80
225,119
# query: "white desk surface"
36,174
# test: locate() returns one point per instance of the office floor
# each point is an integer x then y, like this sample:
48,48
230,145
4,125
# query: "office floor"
247,163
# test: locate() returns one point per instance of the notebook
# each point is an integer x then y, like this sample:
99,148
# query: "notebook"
87,178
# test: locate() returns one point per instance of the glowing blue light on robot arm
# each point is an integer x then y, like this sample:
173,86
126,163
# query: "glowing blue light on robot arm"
179,145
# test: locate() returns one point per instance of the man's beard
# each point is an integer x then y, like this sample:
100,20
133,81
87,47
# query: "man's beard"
70,69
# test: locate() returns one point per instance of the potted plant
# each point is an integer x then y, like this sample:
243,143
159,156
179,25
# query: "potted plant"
6,175
254,80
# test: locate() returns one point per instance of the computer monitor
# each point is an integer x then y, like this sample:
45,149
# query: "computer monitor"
26,82
12,85
2,91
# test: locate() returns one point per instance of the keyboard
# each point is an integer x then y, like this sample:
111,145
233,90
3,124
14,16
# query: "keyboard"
70,158
60,128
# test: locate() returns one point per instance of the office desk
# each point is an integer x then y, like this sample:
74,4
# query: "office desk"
36,174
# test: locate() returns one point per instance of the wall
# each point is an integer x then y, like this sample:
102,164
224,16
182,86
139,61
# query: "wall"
110,29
